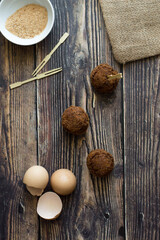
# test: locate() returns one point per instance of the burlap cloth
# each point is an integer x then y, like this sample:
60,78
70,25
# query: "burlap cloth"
133,28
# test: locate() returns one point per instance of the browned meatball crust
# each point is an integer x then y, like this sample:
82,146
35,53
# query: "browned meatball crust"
100,162
100,81
75,120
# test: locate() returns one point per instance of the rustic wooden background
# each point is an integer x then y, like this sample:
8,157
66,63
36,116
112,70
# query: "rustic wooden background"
125,205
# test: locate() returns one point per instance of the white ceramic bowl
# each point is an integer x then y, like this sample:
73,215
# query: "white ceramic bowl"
8,7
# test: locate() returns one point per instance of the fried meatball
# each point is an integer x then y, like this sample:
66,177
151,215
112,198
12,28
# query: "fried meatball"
100,81
75,120
100,162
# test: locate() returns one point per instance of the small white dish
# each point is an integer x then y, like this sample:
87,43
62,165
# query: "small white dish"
8,7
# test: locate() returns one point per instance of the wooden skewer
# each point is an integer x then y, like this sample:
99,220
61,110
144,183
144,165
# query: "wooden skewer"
39,76
46,59
110,77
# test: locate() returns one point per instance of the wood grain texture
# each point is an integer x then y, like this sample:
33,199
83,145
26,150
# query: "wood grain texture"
95,209
142,165
18,146
126,204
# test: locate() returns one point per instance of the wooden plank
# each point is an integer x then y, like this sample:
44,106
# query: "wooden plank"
18,145
142,162
95,209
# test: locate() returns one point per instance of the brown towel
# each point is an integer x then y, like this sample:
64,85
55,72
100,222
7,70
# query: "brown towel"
133,27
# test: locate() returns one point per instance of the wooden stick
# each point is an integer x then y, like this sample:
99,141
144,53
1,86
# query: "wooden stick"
39,76
110,77
46,59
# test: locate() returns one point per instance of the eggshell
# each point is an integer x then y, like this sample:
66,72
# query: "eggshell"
35,191
63,181
49,206
36,179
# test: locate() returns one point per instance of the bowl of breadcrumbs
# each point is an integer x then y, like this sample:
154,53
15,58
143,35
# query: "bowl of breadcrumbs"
26,22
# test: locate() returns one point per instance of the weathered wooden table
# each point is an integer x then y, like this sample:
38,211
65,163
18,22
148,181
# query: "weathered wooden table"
126,204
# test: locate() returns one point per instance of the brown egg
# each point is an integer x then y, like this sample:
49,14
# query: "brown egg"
49,206
63,181
36,179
